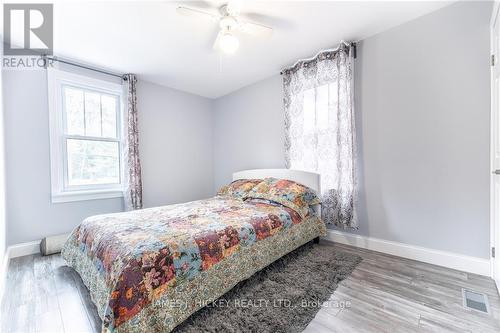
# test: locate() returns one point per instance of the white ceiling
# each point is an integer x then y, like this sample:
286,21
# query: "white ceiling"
153,41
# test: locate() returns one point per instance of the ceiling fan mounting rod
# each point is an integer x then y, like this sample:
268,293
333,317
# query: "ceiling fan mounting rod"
228,22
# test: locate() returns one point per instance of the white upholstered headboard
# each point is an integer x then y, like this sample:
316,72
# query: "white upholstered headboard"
309,179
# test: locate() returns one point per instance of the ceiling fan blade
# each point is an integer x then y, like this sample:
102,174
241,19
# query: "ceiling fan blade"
200,4
216,46
234,7
186,11
255,29
271,20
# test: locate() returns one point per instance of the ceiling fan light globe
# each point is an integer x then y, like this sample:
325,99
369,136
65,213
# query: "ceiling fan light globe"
229,43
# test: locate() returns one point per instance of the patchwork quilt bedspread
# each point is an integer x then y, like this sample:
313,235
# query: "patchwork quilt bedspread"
148,270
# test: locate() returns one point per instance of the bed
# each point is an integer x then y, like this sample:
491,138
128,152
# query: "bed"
150,269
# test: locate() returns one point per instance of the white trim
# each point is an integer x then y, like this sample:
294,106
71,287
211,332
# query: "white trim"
494,11
3,273
456,261
85,195
494,132
24,249
60,191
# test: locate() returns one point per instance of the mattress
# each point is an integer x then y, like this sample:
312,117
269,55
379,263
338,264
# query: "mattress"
150,269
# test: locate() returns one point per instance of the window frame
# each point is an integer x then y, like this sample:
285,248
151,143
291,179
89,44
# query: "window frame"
61,191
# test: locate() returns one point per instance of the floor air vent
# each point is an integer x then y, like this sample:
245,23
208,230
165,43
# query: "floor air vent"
475,301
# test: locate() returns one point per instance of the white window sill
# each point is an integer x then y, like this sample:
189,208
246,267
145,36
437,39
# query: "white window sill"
86,195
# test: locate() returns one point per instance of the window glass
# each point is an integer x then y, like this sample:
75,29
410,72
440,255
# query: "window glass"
309,110
108,107
92,162
73,104
92,114
322,103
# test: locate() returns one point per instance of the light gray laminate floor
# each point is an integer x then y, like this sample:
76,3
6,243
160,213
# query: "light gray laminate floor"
383,294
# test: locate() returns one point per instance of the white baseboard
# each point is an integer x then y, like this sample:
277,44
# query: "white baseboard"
3,273
460,262
14,251
24,249
456,261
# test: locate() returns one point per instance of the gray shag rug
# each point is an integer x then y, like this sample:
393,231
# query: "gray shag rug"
283,297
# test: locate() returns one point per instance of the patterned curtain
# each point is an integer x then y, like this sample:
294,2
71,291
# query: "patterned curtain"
320,130
132,168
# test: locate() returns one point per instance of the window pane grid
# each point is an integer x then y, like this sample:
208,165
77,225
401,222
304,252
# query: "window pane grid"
84,115
91,138
98,111
92,147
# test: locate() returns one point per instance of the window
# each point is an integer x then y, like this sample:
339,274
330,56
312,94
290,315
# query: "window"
316,108
85,137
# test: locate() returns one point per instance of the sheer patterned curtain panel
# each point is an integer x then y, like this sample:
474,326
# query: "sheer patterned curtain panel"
320,129
132,170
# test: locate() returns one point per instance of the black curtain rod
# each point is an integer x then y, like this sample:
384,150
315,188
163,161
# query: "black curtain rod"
121,76
354,54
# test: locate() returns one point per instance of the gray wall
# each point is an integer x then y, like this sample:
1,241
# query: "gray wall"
422,107
3,221
175,145
30,213
167,131
249,130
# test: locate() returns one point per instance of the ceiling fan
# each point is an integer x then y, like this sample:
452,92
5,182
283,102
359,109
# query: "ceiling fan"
230,23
